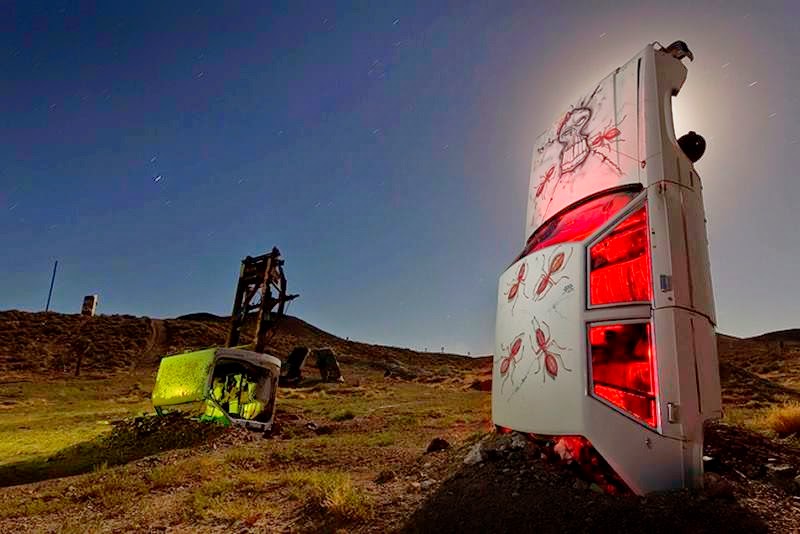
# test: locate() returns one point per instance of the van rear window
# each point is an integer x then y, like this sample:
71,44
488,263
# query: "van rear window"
579,221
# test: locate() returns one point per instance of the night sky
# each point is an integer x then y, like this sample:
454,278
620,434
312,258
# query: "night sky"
385,148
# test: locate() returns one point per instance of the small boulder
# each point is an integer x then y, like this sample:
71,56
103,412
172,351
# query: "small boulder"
717,487
395,369
437,444
475,455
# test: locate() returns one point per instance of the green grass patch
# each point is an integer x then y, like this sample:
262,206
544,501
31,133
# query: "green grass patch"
131,440
382,439
48,417
343,415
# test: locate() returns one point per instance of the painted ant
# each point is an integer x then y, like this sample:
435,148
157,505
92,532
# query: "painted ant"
543,344
557,262
514,350
513,290
546,178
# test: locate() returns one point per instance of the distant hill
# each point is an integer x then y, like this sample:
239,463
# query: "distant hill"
751,370
791,335
202,316
53,344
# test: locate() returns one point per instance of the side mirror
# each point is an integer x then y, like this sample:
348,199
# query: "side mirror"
693,145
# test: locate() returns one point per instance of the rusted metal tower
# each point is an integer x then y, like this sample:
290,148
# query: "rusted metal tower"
262,275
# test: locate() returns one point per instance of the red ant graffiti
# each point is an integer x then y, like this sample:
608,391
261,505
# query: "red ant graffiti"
577,141
512,352
557,263
513,289
604,138
542,349
546,178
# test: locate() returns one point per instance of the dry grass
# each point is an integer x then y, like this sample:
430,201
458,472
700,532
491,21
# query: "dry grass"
181,472
245,499
784,420
246,458
112,487
330,492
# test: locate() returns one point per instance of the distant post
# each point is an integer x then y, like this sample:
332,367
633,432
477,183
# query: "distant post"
52,281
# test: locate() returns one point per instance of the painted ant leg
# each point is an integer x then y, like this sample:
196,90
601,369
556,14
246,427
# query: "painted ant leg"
539,367
547,337
607,160
561,360
524,292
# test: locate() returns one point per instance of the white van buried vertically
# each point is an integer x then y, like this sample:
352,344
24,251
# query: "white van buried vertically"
605,322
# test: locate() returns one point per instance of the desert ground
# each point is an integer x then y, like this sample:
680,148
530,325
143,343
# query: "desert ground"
81,450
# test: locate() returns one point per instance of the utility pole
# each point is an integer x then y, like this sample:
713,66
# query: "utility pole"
52,281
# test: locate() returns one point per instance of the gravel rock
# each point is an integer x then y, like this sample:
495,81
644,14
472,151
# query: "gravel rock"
475,455
518,441
581,485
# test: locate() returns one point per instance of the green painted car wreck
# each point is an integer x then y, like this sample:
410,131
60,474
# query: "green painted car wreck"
230,386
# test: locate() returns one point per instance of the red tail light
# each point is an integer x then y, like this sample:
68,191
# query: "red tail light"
620,263
623,368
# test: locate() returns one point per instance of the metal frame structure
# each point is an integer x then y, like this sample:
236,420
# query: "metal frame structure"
260,275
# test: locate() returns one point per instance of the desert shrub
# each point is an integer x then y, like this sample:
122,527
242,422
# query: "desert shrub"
784,420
